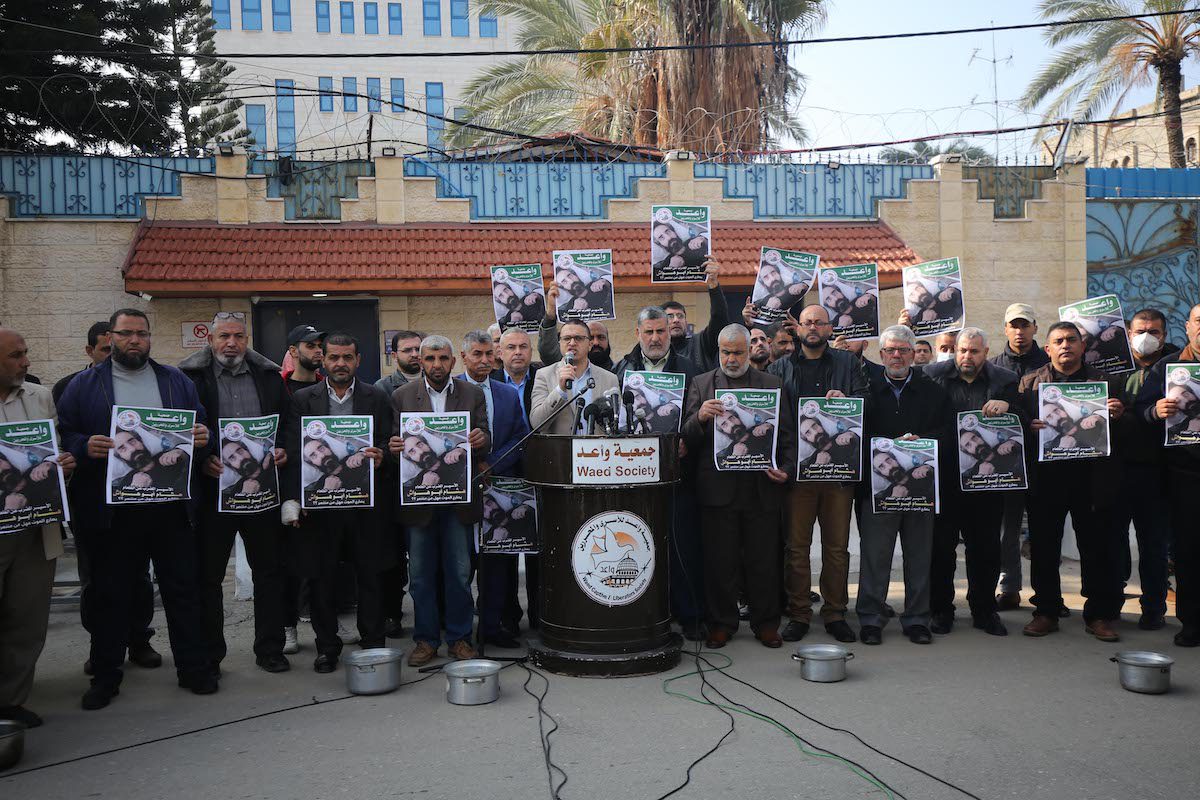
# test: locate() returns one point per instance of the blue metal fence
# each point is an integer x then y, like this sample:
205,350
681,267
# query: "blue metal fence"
313,190
90,186
1112,182
805,191
544,190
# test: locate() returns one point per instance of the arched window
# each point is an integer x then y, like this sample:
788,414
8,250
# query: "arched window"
1125,161
1114,164
1190,151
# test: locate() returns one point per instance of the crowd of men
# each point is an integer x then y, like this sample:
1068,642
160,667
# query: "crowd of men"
741,540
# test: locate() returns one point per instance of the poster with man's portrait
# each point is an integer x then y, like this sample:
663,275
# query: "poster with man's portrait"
746,430
585,285
509,522
435,464
657,401
991,452
933,297
518,297
151,457
249,478
830,432
32,489
680,242
904,475
851,296
1076,417
336,473
1183,386
1105,338
784,277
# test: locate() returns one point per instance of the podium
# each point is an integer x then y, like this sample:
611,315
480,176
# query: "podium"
604,517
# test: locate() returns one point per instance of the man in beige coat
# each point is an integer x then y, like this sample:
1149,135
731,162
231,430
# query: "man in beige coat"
550,385
27,557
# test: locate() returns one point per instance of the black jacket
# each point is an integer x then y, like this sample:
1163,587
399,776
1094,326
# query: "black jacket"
847,374
1184,459
701,349
993,383
1141,443
1021,364
923,409
675,363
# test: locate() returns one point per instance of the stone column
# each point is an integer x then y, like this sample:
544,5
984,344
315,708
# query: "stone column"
389,190
233,196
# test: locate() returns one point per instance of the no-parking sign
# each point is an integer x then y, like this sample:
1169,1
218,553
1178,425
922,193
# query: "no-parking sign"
194,335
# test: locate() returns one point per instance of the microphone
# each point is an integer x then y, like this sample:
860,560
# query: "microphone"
569,359
590,415
627,398
612,401
641,415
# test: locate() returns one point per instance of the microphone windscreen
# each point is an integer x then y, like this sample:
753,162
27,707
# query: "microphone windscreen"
627,397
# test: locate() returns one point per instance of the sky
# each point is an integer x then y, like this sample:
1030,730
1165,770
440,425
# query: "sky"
875,91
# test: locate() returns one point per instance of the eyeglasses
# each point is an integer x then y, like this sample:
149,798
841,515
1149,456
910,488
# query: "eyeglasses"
131,334
240,316
895,351
814,323
569,339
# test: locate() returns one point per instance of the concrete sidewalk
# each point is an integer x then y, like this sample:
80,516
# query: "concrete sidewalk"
1003,718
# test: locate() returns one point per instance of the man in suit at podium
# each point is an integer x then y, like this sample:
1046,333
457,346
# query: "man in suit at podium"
550,391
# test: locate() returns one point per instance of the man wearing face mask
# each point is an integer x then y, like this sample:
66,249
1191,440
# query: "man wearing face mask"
1141,496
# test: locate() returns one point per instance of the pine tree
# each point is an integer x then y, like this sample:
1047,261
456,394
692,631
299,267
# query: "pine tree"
207,114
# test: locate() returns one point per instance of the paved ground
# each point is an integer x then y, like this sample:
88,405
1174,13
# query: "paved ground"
1003,718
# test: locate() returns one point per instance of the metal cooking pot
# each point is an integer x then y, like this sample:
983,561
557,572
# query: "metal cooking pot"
473,682
12,743
1144,671
823,663
375,670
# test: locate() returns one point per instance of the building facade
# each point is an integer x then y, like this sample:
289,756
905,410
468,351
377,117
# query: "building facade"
1139,139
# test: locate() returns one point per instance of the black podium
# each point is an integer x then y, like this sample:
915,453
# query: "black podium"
604,516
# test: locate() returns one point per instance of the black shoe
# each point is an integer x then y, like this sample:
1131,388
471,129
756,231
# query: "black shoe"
276,662
694,631
871,634
813,597
324,664
991,625
88,669
841,630
942,623
20,714
795,631
1188,637
1152,622
888,611
98,696
393,629
919,634
503,641
203,683
145,656
1064,612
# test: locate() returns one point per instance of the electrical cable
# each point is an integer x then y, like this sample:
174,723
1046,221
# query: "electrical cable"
543,735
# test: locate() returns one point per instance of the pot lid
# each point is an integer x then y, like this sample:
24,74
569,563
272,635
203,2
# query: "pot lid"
822,652
1144,658
472,668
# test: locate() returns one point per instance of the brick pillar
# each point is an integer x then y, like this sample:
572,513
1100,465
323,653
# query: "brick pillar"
948,168
1073,175
389,190
681,175
233,196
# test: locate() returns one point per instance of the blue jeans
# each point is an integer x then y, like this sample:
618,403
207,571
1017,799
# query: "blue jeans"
448,540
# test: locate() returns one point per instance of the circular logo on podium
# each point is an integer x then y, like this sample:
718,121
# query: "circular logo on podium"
612,557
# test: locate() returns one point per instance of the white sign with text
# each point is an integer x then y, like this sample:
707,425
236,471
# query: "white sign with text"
626,460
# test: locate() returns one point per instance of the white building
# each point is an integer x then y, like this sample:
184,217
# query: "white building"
285,109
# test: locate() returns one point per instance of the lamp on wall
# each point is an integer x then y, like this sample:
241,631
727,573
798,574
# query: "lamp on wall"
389,151
225,149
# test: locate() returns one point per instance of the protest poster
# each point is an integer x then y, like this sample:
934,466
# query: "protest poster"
933,297
1076,417
518,297
585,285
151,457
745,432
335,472
249,478
830,438
1102,325
851,296
509,522
904,475
784,277
680,241
435,465
32,489
1183,386
657,401
991,452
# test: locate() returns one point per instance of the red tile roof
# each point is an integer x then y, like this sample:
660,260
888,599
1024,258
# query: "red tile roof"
203,259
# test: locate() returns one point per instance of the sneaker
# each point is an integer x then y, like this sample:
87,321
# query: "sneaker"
347,635
462,650
422,654
291,644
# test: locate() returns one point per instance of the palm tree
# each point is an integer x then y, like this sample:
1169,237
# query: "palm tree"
923,153
704,100
1102,61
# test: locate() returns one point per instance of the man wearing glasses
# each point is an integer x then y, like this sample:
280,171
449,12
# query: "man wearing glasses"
120,539
817,370
550,387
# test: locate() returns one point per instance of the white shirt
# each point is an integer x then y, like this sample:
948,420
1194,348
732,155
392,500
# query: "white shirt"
438,399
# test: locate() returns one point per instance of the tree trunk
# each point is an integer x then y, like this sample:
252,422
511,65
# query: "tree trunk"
1170,81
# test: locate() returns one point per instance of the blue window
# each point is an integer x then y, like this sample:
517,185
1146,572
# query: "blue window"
435,103
370,18
432,9
221,20
322,16
397,95
285,117
349,94
281,15
256,121
489,27
374,94
326,87
460,21
395,19
347,11
252,15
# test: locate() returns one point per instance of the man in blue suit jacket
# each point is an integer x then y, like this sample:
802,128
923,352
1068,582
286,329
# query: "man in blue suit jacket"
507,426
